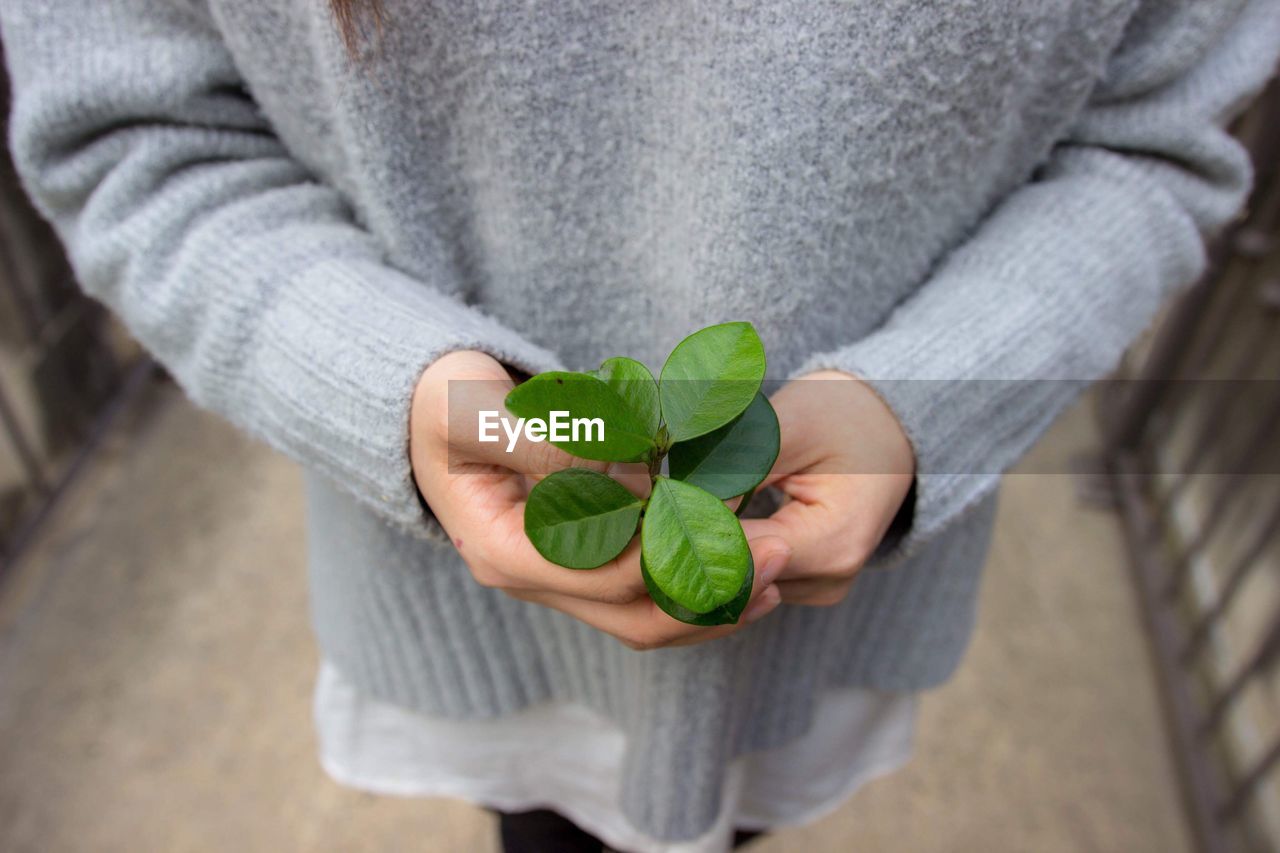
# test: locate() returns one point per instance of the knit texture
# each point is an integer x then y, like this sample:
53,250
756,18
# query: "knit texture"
907,191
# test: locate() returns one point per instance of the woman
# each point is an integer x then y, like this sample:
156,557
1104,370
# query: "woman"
317,216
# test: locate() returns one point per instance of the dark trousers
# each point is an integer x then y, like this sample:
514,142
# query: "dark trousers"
545,831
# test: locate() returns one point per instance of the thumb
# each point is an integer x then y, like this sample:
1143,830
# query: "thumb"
770,555
812,532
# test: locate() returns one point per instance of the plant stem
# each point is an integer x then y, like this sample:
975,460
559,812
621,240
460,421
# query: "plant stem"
655,466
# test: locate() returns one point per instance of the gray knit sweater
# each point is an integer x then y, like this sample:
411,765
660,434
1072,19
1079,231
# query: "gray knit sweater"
901,189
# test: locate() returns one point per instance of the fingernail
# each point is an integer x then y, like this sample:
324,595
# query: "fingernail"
773,566
768,600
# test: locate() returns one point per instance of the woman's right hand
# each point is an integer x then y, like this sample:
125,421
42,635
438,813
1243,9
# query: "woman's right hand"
477,491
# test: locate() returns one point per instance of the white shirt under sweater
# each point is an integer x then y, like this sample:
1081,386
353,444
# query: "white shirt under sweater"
565,757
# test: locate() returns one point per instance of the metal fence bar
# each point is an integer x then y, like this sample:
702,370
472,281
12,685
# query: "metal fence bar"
10,277
1262,657
1199,691
65,381
1210,434
1236,575
136,379
1249,784
21,447
1264,431
1201,786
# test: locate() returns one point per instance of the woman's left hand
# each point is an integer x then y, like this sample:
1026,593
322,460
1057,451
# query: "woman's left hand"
845,468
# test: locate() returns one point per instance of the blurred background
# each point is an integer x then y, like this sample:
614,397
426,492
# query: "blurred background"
1121,694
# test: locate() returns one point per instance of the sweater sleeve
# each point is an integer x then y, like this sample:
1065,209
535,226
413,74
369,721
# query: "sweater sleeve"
246,277
1068,269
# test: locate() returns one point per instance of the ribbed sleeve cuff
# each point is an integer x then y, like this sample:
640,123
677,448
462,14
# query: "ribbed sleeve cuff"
337,366
964,433
1013,327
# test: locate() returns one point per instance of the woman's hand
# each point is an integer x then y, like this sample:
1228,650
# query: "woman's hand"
477,491
844,469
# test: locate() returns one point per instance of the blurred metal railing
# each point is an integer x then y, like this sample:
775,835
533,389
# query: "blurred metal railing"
1193,451
64,367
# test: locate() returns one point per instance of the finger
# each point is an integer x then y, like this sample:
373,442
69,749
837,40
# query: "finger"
769,554
633,476
481,430
822,524
860,436
515,451
762,603
643,625
504,558
640,625
794,406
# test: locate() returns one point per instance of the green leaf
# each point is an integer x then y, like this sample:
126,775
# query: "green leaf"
627,436
580,519
709,378
634,383
694,546
725,614
733,459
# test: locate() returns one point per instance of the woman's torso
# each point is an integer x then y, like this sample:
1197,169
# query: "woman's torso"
607,176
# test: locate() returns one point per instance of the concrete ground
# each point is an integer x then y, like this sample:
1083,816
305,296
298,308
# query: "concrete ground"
156,668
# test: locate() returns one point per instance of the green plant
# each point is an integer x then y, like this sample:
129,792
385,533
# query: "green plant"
707,417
